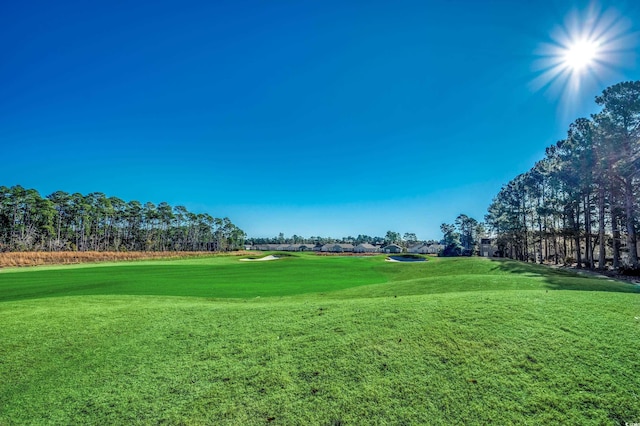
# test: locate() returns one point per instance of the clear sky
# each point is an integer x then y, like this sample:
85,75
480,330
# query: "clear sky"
302,117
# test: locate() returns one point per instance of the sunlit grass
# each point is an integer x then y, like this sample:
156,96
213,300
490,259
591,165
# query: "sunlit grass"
429,344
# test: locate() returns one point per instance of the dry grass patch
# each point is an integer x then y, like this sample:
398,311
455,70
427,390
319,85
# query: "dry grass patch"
74,257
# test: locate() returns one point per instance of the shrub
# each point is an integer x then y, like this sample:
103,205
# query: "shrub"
452,250
630,271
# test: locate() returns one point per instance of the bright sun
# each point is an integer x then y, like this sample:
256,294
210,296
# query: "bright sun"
580,55
584,50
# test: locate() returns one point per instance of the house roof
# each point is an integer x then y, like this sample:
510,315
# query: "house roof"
417,246
392,245
366,245
342,246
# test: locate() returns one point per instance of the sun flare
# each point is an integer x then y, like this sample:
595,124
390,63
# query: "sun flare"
581,55
588,48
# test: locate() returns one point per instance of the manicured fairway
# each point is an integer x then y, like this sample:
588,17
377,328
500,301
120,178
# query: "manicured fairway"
227,277
222,277
450,341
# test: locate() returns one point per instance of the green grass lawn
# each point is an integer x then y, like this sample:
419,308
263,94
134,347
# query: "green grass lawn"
315,340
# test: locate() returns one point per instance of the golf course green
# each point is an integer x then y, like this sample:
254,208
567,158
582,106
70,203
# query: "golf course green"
306,339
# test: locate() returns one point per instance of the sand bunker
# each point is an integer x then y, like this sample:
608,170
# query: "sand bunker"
261,259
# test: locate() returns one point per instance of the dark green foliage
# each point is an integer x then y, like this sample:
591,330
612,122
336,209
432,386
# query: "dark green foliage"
581,201
452,250
70,222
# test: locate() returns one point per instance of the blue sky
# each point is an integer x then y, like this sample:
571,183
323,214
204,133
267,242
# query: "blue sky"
310,118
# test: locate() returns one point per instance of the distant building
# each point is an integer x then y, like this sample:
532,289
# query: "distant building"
365,248
337,248
271,247
392,248
299,247
418,248
487,248
424,248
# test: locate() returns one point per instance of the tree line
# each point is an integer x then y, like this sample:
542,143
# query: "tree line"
462,238
580,202
391,237
94,222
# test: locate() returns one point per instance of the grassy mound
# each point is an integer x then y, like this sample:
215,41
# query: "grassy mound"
446,341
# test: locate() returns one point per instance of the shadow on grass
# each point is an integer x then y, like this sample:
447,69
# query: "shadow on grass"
565,280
